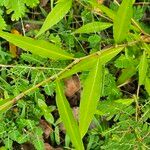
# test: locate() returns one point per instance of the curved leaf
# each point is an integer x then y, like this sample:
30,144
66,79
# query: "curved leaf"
89,98
57,13
67,117
38,47
93,27
122,20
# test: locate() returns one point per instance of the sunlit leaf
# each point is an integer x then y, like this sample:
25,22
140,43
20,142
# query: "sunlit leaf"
90,96
143,66
38,47
5,105
57,13
67,117
122,21
147,85
87,63
93,27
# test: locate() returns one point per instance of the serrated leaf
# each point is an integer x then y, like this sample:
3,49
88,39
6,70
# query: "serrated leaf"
122,21
67,117
143,66
16,7
2,23
90,96
57,13
87,63
38,47
93,27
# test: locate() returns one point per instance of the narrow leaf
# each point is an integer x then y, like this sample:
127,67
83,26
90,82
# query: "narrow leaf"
90,97
122,21
67,117
38,47
87,63
147,85
126,75
93,27
5,105
143,66
57,13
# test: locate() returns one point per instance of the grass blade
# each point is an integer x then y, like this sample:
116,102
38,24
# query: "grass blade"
93,27
38,47
122,21
67,117
90,97
57,13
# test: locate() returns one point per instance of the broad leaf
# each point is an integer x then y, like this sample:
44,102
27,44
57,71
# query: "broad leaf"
38,47
57,13
143,66
90,96
122,21
93,27
87,63
67,117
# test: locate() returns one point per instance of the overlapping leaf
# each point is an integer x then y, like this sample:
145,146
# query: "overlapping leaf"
90,97
67,117
38,47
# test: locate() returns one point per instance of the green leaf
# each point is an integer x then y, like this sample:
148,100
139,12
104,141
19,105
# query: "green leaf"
143,66
90,96
93,27
38,47
147,85
57,13
110,13
87,63
122,21
126,75
67,117
5,105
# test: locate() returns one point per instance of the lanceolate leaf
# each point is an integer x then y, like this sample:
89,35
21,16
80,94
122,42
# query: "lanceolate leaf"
87,63
147,85
122,21
57,13
67,117
38,47
143,66
93,27
89,98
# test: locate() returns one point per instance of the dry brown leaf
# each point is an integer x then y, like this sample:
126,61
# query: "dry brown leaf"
46,128
72,85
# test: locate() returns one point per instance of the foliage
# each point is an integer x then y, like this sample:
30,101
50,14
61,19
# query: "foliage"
105,45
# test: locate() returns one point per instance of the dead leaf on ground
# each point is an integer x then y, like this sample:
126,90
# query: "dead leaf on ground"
72,85
46,128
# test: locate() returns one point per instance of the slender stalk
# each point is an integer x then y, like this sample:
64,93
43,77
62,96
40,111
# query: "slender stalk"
54,77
